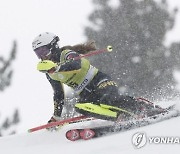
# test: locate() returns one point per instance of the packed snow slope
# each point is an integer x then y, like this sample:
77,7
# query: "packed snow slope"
44,142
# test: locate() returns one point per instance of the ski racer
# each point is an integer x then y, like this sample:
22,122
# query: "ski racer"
98,93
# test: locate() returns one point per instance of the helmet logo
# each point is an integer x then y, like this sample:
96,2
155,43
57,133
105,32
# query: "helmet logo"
36,43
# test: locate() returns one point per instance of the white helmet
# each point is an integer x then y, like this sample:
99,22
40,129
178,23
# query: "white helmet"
44,39
44,44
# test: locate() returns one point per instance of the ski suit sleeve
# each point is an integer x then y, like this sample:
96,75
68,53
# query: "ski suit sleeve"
73,65
58,96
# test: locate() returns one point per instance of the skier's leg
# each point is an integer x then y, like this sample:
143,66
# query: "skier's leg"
101,96
112,100
99,99
139,107
101,111
90,109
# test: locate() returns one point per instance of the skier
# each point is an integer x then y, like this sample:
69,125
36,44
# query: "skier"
98,93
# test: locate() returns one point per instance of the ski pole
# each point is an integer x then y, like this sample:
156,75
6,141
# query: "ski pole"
62,122
107,49
52,124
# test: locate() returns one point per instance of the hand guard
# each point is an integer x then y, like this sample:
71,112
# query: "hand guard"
47,66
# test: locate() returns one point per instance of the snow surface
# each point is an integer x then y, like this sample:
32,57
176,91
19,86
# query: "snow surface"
44,142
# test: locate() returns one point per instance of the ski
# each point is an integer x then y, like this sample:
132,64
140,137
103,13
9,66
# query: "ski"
90,133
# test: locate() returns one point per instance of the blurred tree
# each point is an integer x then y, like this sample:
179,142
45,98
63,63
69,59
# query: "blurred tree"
6,73
15,119
5,70
136,29
8,125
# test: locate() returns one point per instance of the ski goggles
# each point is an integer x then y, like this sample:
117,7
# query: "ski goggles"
42,52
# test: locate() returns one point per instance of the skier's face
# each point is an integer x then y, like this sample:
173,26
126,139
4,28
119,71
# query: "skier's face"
43,53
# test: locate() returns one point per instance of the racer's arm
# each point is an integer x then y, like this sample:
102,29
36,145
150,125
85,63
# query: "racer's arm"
58,97
73,65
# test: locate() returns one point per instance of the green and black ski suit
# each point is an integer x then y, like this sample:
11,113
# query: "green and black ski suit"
98,93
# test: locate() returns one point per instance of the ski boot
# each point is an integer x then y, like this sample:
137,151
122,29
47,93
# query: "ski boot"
148,109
